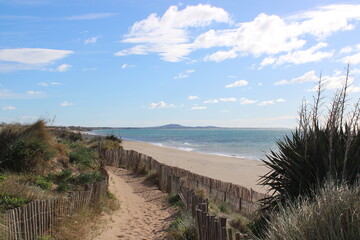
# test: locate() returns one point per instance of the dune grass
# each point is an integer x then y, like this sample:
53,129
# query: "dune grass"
334,213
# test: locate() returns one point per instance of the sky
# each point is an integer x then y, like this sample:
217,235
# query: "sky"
136,63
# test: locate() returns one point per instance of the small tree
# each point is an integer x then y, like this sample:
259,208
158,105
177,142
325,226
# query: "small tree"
316,151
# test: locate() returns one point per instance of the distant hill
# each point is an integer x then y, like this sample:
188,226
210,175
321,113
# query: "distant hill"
178,126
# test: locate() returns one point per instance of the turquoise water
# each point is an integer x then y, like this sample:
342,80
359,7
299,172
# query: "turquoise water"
245,143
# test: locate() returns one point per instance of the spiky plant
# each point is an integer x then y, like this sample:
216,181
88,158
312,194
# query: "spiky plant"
317,150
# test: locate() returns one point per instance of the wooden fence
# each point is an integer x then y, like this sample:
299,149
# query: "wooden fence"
38,218
172,178
209,227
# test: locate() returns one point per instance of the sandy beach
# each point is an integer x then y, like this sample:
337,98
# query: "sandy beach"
240,171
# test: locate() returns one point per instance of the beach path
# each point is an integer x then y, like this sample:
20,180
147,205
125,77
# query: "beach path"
144,212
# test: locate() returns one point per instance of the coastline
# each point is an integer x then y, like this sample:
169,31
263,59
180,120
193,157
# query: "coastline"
241,171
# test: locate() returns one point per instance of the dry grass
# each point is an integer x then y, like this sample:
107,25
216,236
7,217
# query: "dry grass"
333,214
87,222
18,186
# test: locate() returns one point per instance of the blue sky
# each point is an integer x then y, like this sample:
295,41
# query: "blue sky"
126,63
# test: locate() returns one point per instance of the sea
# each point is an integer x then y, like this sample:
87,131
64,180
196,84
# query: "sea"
254,143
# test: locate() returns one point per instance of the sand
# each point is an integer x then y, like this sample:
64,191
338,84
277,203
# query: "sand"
240,171
144,212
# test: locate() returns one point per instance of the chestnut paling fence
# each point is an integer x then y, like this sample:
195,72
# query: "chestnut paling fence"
209,227
39,218
184,183
173,178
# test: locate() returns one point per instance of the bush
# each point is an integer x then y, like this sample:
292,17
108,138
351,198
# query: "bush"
3,177
175,200
316,151
88,178
25,147
113,138
82,156
43,182
8,201
334,213
183,227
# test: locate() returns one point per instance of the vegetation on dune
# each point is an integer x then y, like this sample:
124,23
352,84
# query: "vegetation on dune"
26,148
333,213
183,227
322,149
38,163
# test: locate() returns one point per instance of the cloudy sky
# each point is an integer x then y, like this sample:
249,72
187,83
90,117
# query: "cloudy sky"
145,63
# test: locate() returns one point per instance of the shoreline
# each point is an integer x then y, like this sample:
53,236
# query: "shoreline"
237,170
241,171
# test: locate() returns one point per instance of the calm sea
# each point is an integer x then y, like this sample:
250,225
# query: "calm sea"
245,143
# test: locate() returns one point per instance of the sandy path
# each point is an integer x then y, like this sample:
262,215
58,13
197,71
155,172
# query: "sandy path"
143,214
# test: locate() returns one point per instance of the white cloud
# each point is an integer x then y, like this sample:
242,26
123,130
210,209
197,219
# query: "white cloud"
271,34
91,16
199,108
9,108
299,57
231,99
271,102
168,35
32,55
265,103
8,94
91,40
63,68
239,83
193,97
171,34
66,104
211,101
34,92
125,65
161,104
220,56
352,59
280,100
56,83
245,101
336,81
44,84
184,74
307,77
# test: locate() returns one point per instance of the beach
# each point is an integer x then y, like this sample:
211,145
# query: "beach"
239,171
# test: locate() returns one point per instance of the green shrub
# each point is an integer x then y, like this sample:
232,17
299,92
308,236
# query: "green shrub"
113,138
334,213
8,201
82,156
64,187
224,207
25,147
43,183
88,178
174,200
3,177
183,227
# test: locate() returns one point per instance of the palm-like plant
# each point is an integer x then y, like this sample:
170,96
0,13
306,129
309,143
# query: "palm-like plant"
315,152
